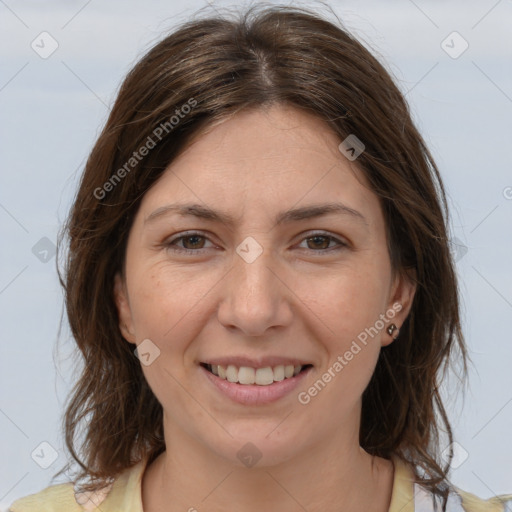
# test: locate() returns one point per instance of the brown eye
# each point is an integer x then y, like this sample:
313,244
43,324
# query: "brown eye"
321,243
193,242
190,243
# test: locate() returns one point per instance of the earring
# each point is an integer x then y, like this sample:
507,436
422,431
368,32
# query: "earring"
391,329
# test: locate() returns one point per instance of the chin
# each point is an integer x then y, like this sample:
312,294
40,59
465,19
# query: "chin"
258,447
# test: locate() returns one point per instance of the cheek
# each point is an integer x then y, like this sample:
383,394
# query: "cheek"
158,300
349,306
168,308
347,303
352,344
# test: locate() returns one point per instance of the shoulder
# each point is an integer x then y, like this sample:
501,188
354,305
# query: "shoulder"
56,498
124,493
459,500
472,503
410,496
61,498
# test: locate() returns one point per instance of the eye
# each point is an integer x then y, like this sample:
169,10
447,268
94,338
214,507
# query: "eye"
319,242
192,243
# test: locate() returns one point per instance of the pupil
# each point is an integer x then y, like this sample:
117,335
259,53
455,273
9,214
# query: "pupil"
321,238
193,237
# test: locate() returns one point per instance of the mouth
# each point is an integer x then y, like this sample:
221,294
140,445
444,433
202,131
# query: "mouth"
267,381
249,376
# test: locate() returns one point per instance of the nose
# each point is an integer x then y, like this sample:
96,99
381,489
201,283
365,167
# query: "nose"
255,297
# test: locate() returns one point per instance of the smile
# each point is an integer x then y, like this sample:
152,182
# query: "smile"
254,385
247,375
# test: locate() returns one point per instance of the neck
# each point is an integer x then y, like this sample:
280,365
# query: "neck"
336,475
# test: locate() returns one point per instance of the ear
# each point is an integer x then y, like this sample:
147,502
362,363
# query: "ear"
400,303
123,309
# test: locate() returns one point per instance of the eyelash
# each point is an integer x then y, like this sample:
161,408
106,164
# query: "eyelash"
171,243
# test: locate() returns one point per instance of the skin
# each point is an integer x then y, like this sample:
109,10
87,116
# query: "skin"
302,297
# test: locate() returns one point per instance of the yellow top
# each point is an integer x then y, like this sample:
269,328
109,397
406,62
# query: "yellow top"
125,496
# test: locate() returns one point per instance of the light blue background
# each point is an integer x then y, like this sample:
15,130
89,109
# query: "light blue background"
53,109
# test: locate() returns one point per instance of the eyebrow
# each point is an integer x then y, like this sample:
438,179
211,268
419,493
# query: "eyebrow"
285,217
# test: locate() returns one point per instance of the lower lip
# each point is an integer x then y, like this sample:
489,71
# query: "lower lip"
253,394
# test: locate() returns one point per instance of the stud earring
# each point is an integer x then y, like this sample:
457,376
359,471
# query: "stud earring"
391,329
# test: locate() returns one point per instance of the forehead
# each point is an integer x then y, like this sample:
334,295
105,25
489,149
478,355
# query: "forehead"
273,158
272,137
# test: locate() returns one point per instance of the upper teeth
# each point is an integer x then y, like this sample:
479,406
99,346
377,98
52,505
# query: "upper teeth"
260,376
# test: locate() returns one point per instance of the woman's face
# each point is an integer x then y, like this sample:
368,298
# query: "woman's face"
257,276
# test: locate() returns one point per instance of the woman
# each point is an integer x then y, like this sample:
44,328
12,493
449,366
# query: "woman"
260,282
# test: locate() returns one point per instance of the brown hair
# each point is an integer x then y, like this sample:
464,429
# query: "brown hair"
219,66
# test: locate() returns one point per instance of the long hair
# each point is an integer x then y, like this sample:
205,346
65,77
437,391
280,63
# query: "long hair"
205,72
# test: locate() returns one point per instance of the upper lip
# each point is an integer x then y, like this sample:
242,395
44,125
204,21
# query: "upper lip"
260,362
